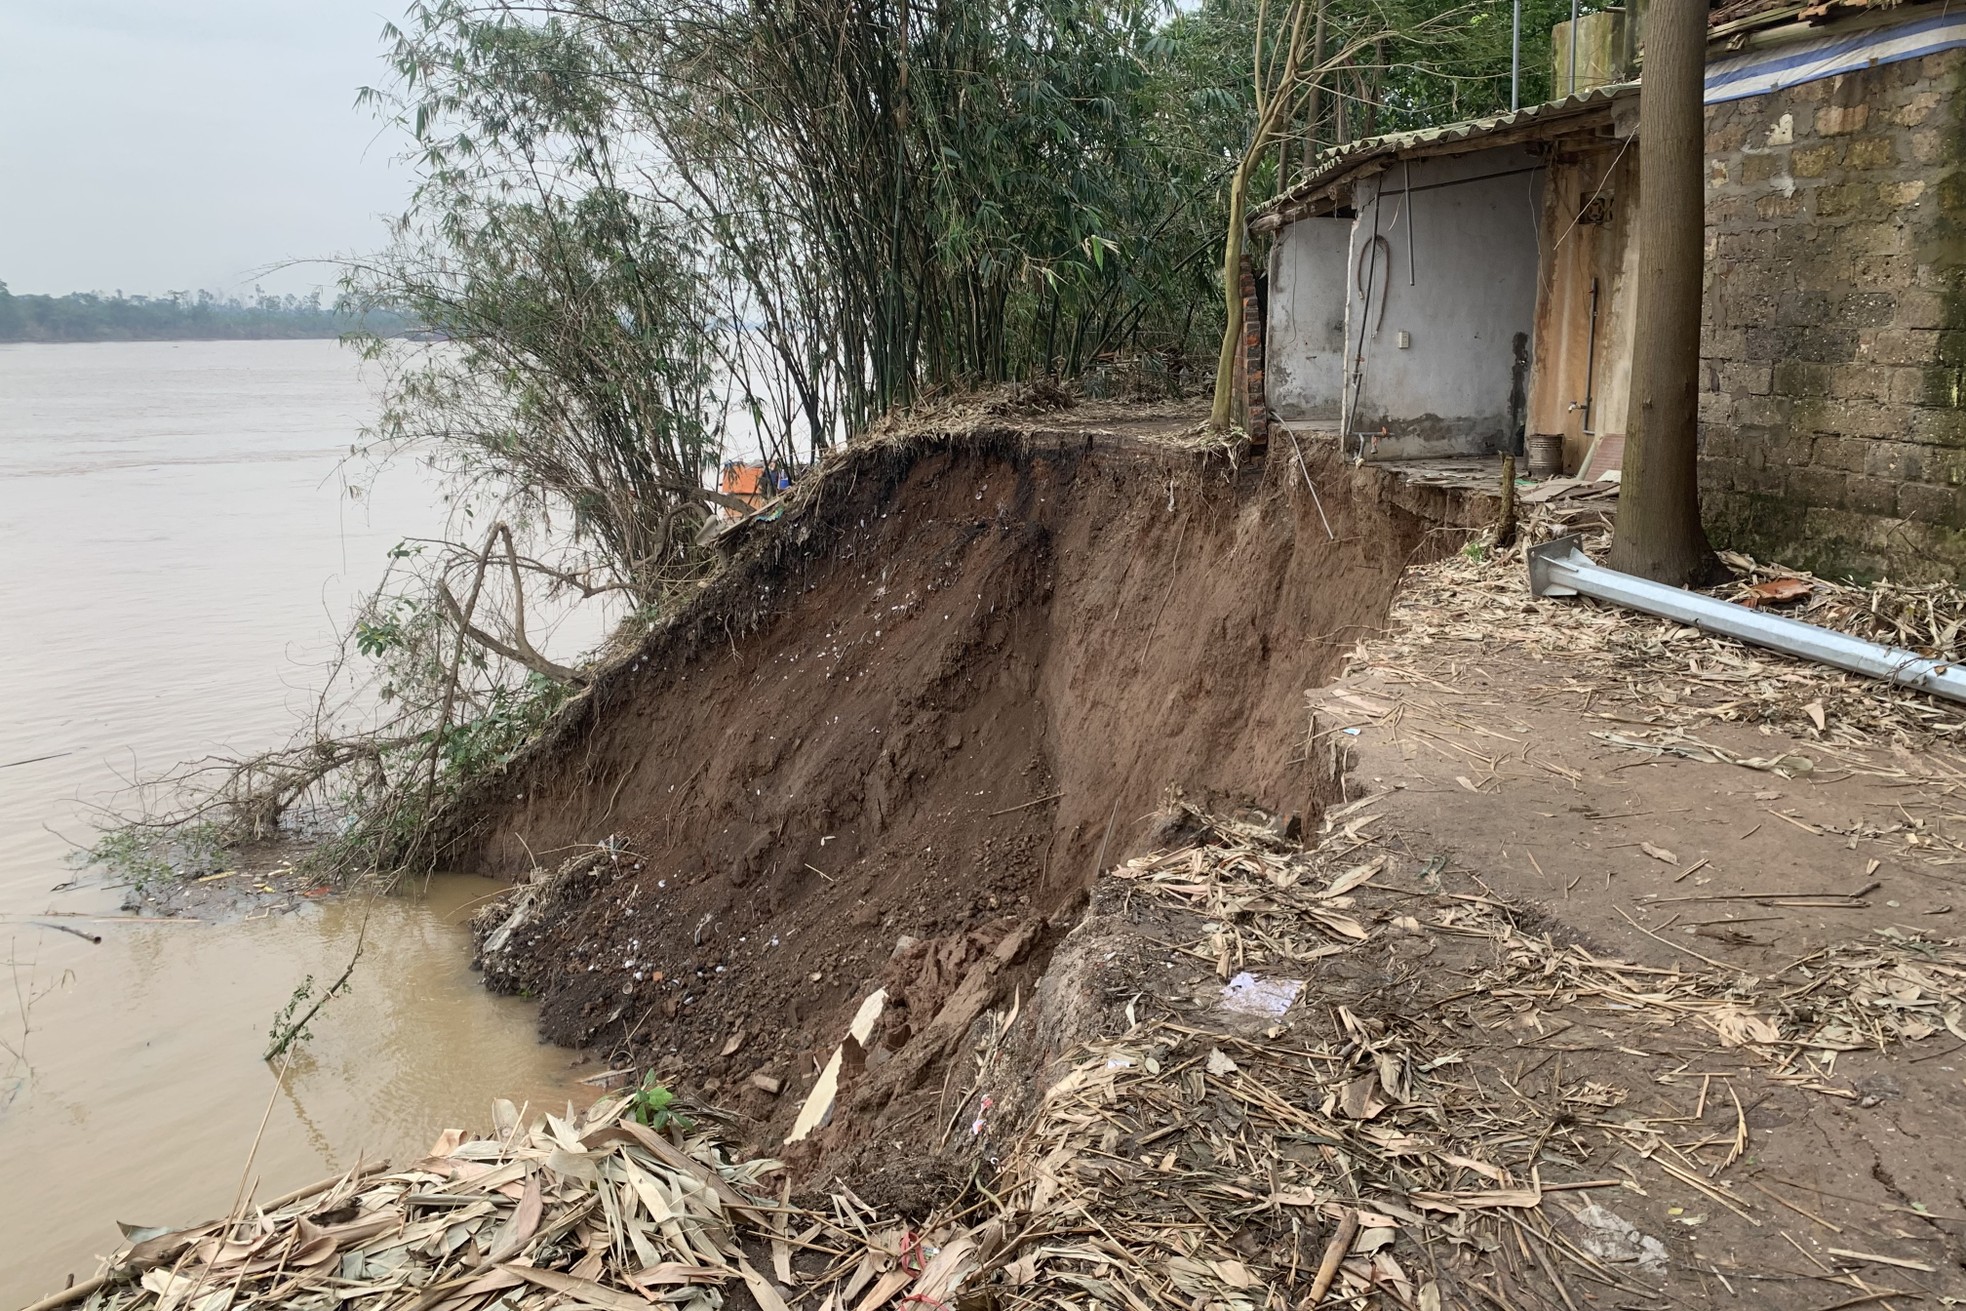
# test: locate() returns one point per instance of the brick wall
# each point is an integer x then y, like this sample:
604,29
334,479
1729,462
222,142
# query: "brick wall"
1833,404
1256,406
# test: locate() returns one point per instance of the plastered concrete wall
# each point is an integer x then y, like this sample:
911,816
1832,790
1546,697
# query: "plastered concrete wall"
1461,282
1305,376
1833,409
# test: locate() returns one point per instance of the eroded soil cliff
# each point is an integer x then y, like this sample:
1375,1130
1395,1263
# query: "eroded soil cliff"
891,742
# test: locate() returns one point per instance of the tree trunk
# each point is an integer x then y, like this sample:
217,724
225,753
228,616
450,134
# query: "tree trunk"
1222,413
1659,535
1505,523
1370,84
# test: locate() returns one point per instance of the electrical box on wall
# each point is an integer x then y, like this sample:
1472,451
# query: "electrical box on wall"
1405,340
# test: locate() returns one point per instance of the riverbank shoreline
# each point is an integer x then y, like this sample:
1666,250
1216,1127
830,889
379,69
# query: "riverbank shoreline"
1482,946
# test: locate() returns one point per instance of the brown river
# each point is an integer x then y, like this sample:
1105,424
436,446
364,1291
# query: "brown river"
177,546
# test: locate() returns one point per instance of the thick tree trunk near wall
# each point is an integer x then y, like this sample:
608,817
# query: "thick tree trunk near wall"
1659,535
1223,412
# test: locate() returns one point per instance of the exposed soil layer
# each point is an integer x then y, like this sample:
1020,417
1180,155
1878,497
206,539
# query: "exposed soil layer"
890,743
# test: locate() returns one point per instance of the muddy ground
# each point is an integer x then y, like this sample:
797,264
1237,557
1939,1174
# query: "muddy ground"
907,724
252,879
899,739
1677,801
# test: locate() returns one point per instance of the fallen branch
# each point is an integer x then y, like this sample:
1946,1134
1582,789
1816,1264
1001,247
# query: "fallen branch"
1334,1256
285,1039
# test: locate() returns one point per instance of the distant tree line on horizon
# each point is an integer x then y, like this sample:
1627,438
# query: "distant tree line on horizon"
183,316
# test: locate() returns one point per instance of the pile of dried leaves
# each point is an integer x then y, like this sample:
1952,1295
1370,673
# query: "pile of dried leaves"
1683,676
1265,900
600,1211
1861,996
1925,618
1215,1156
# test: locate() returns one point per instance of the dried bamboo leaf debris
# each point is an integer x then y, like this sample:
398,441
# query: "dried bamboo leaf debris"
1683,677
596,1211
1187,1162
1197,1158
1262,900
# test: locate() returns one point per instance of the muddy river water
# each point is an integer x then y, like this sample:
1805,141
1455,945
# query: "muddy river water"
176,546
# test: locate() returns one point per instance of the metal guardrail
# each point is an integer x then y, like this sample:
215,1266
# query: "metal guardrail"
1560,568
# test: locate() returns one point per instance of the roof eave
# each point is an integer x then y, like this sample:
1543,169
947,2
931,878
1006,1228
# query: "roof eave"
1361,158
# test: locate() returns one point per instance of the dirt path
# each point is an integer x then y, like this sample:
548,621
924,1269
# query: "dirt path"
1554,757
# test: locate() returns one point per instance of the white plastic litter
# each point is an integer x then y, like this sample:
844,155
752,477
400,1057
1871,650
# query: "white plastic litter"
1251,994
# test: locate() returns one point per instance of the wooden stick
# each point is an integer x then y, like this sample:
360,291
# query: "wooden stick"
1712,1189
1026,806
74,1292
1334,1254
1777,1198
1898,1261
1535,1251
362,1170
293,1030
1676,947
1740,1144
1833,1306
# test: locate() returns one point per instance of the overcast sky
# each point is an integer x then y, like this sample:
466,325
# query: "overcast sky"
157,145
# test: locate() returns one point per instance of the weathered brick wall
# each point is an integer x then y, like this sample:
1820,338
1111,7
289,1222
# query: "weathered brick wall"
1256,404
1833,409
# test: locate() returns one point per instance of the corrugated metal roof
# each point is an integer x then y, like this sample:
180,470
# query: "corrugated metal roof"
1333,164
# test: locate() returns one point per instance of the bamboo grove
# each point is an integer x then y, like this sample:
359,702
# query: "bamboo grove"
652,226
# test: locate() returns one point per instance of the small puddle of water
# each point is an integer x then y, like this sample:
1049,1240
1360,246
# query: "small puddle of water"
144,1110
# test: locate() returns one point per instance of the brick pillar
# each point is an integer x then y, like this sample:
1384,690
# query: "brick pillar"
1252,361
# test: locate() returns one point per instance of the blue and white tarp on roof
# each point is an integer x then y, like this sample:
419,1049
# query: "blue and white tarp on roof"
1757,72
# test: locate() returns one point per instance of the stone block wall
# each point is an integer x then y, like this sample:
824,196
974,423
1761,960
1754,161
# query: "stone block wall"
1833,402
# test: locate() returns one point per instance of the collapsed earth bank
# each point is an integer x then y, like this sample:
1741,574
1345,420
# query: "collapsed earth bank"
892,742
